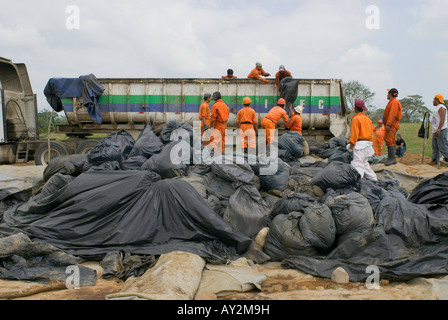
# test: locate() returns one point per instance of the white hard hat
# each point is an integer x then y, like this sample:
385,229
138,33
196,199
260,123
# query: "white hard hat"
299,109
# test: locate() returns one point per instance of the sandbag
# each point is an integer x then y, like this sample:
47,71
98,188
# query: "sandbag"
290,90
285,239
292,141
163,165
337,142
175,276
351,213
222,280
338,175
167,136
234,172
247,212
317,226
105,151
133,163
124,140
342,155
68,165
277,181
296,202
147,144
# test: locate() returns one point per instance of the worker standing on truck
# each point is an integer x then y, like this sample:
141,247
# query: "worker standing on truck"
275,115
229,75
246,122
295,123
392,116
360,142
258,73
378,143
204,114
280,75
220,116
439,130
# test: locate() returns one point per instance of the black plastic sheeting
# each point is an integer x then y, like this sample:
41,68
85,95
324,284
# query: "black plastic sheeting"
99,212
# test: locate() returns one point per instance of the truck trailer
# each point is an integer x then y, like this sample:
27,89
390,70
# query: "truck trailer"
129,104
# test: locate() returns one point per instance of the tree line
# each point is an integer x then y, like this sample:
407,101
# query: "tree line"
413,106
43,119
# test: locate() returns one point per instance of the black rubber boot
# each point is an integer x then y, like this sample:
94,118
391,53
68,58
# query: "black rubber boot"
391,156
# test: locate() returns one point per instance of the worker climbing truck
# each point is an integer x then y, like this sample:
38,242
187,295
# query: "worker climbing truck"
130,104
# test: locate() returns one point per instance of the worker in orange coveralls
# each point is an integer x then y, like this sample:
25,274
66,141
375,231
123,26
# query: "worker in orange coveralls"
392,115
379,132
295,123
258,73
204,115
229,75
219,118
275,115
361,141
246,121
280,75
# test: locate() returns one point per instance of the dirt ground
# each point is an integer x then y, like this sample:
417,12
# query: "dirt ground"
280,284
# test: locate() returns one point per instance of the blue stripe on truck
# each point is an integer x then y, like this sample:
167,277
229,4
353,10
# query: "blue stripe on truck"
194,108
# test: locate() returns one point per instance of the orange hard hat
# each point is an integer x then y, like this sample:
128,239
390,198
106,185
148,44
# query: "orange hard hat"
247,100
281,101
380,122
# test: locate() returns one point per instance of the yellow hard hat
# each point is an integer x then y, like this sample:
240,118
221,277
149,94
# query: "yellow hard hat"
247,100
440,98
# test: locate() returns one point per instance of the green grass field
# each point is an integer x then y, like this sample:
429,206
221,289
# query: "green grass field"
414,144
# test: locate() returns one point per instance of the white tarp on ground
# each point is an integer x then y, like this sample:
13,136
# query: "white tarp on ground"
176,276
14,179
409,176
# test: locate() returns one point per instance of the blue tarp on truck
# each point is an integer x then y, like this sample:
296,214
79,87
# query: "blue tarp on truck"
87,87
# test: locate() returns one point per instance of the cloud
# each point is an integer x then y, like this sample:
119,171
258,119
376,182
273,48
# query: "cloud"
431,19
368,65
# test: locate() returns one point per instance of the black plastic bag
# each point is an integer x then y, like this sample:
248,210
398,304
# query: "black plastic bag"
338,175
147,144
432,191
133,163
351,213
247,212
171,126
105,151
284,238
292,142
162,163
317,226
68,165
278,180
296,202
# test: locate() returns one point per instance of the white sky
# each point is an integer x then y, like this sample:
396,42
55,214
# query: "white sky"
203,38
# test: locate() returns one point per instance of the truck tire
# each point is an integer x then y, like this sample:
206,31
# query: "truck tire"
41,154
86,146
